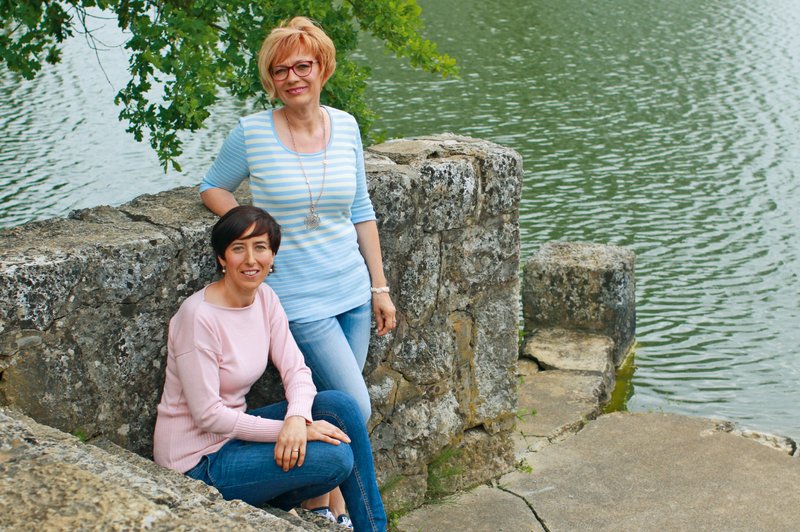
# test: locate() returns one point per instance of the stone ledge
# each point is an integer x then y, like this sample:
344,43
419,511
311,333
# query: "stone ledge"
554,404
483,509
582,286
648,471
556,348
52,480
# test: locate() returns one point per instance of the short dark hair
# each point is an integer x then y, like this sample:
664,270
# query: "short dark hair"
236,221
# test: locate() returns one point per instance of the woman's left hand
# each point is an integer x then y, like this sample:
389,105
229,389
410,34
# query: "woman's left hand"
385,313
290,449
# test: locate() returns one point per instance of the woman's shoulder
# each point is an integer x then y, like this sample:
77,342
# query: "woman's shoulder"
270,300
267,294
344,124
257,119
190,307
339,115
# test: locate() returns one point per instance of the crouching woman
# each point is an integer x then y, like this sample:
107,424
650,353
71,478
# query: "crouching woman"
220,342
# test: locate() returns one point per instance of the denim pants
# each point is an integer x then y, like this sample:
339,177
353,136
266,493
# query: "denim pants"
248,471
336,350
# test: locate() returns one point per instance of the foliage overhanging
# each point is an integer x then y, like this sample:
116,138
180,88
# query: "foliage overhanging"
183,51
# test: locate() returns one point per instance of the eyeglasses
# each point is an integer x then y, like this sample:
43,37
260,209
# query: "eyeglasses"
301,69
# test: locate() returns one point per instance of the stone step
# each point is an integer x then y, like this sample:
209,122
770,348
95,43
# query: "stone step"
554,404
571,350
51,480
656,472
564,378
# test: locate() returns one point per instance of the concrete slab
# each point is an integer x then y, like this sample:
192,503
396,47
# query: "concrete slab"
483,509
556,348
554,403
660,472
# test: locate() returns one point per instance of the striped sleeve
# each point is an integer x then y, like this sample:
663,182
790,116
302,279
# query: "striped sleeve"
230,167
361,210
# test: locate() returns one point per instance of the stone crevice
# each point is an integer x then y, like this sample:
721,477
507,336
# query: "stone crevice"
528,504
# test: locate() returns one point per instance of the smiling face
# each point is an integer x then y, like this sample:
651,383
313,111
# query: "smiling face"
298,36
296,90
247,261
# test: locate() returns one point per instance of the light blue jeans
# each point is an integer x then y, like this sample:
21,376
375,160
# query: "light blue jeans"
248,471
336,350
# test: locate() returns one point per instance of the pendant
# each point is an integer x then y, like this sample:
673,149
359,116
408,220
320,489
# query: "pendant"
312,221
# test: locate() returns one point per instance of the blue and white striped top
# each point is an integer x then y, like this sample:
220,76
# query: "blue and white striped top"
318,273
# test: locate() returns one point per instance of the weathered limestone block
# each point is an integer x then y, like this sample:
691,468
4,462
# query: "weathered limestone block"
498,170
451,188
87,358
84,306
52,481
570,350
559,402
589,287
494,364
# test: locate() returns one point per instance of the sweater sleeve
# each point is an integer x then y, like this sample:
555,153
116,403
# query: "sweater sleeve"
230,167
284,353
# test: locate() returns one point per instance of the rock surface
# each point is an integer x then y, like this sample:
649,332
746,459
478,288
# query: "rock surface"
659,472
581,470
483,509
51,481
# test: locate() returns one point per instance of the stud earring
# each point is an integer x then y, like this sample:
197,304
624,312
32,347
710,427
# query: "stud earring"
224,270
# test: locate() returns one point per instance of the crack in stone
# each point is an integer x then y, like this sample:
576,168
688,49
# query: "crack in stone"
529,505
146,219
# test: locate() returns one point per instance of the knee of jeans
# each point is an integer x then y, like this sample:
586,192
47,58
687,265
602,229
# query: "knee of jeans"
340,402
341,462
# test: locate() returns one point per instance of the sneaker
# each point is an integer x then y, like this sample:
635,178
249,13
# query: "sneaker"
325,512
344,520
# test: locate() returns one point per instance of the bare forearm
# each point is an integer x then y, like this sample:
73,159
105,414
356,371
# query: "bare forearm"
218,200
382,306
370,246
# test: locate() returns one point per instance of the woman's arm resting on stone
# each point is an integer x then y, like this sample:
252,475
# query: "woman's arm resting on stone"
218,200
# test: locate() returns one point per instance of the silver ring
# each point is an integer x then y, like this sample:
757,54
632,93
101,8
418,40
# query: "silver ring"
295,450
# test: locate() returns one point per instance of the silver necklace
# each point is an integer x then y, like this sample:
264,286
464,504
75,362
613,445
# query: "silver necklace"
312,218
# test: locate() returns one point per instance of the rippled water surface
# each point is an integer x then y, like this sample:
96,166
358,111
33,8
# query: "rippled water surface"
671,127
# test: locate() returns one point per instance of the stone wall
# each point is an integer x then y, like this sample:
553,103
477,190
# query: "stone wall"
84,304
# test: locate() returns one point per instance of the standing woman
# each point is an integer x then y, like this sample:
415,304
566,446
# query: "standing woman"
305,164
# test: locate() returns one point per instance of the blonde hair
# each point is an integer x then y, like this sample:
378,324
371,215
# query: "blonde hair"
300,32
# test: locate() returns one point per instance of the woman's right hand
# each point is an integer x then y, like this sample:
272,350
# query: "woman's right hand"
321,430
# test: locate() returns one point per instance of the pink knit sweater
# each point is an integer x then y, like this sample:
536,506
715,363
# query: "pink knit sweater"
215,354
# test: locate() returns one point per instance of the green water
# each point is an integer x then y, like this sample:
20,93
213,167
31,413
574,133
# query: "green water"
670,127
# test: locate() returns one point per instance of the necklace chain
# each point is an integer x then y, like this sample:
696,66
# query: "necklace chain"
312,219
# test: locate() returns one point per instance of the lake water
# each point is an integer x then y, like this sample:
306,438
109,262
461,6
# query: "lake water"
671,127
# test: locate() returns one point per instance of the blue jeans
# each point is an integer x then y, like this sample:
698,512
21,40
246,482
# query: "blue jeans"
247,470
336,350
